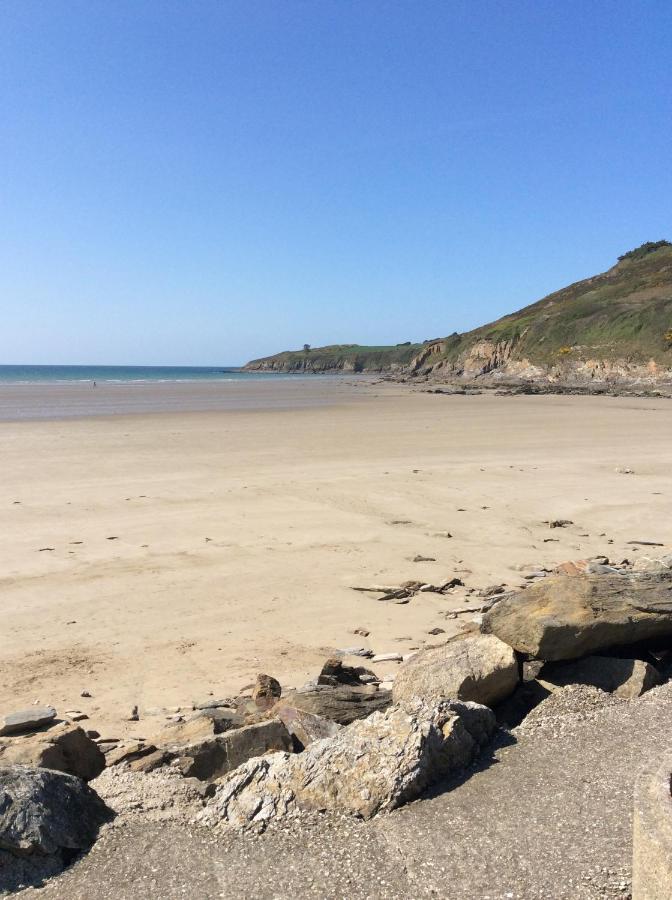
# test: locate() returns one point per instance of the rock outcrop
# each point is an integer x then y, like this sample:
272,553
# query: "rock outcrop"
64,747
480,668
213,756
340,704
26,720
376,764
564,617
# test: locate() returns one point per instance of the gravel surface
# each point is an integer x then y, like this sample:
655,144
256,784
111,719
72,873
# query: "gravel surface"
546,816
159,796
567,706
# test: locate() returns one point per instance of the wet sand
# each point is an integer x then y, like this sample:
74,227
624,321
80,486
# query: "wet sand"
156,559
82,399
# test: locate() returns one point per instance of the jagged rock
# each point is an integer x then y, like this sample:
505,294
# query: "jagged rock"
334,672
65,748
128,752
376,764
626,678
150,761
214,756
480,668
305,727
340,704
26,720
565,618
266,691
46,812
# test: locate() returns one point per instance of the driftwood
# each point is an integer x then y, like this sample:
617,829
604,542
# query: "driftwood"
403,592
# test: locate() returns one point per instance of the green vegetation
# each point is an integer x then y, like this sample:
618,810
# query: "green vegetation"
343,357
641,251
625,313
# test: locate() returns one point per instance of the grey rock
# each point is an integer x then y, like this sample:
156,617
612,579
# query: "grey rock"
564,618
376,764
26,720
480,668
45,812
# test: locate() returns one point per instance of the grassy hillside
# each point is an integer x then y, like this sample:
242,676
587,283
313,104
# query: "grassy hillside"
617,324
338,357
622,314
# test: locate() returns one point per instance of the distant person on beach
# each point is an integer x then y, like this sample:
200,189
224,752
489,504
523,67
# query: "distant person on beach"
94,384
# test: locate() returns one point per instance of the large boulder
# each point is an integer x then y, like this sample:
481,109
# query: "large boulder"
213,756
376,764
480,668
565,618
626,678
47,812
342,704
65,748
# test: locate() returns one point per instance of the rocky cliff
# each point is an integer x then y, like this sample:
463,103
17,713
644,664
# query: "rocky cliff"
615,327
339,358
612,327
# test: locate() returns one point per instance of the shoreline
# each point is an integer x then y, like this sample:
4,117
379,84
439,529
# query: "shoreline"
46,401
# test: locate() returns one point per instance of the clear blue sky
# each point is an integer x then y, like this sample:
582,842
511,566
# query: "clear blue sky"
202,181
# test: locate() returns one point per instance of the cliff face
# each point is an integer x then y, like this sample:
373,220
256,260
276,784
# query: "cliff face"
616,326
613,327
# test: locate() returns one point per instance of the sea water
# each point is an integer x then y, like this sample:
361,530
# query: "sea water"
122,374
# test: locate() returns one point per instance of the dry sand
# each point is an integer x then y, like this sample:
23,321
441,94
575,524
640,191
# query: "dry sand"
189,551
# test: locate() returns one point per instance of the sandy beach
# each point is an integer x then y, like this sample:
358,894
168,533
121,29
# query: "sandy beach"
158,559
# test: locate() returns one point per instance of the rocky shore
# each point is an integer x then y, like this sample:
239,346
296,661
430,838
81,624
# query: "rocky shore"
588,636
